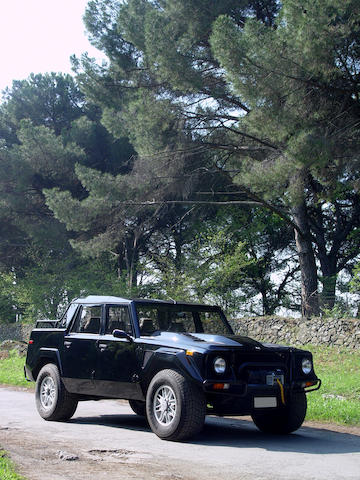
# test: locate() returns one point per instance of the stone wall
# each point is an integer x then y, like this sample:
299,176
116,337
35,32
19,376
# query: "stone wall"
15,331
288,331
299,331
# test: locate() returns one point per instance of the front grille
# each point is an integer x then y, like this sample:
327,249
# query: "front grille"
250,366
259,376
255,368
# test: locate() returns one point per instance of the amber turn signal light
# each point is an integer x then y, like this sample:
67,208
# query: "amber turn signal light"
221,386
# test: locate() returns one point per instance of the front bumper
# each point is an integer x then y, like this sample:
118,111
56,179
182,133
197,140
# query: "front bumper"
239,398
240,388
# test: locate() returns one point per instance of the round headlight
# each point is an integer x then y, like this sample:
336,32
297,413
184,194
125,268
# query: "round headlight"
219,365
306,365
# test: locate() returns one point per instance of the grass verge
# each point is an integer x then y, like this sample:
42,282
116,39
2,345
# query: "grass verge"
337,401
7,471
12,371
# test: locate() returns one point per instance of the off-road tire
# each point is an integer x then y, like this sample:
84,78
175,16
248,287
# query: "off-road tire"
284,420
61,404
138,407
189,414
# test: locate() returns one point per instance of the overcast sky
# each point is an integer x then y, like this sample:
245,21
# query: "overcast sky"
39,36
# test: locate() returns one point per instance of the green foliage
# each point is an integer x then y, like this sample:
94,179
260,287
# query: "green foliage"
355,280
199,102
292,94
8,308
7,469
226,260
52,281
258,83
251,80
213,269
51,100
12,371
338,400
46,154
47,128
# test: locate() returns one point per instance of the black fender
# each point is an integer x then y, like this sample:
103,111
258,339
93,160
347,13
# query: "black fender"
167,358
47,355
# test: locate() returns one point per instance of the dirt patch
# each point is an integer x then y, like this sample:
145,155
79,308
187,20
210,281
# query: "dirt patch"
333,427
19,389
34,457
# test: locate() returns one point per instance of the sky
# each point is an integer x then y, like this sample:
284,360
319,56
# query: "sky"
39,36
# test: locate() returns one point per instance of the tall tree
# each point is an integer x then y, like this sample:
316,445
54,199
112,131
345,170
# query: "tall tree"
52,100
46,127
301,82
272,95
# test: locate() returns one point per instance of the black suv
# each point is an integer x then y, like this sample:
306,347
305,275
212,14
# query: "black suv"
174,362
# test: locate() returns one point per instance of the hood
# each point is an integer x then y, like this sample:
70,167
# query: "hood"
203,341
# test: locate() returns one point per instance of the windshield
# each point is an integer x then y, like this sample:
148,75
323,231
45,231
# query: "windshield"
181,319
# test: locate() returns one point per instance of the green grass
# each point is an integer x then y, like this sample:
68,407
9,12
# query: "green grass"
12,371
7,471
338,399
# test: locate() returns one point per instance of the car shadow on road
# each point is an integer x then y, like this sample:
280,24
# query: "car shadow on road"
127,421
239,433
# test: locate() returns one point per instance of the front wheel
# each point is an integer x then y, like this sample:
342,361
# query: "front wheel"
53,401
175,407
285,420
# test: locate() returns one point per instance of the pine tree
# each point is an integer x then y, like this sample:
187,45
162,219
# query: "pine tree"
269,96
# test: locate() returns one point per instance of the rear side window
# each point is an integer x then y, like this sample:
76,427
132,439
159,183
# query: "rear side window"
88,319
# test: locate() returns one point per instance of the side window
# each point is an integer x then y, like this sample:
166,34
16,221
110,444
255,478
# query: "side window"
152,319
148,320
65,321
118,318
87,320
212,323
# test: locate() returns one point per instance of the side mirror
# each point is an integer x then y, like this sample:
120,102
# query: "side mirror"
122,334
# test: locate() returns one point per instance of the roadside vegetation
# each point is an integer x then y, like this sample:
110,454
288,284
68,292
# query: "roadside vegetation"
337,401
12,369
7,470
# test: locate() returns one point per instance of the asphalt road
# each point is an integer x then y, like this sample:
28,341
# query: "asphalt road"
105,440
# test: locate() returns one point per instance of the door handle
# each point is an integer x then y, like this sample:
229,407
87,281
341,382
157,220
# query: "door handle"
67,344
102,346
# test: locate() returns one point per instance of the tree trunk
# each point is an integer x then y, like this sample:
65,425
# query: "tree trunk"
266,308
329,274
309,282
178,251
132,258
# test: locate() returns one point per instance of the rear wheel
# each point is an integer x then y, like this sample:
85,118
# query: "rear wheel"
53,401
175,407
284,420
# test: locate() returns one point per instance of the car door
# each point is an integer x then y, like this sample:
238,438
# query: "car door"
80,349
117,362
